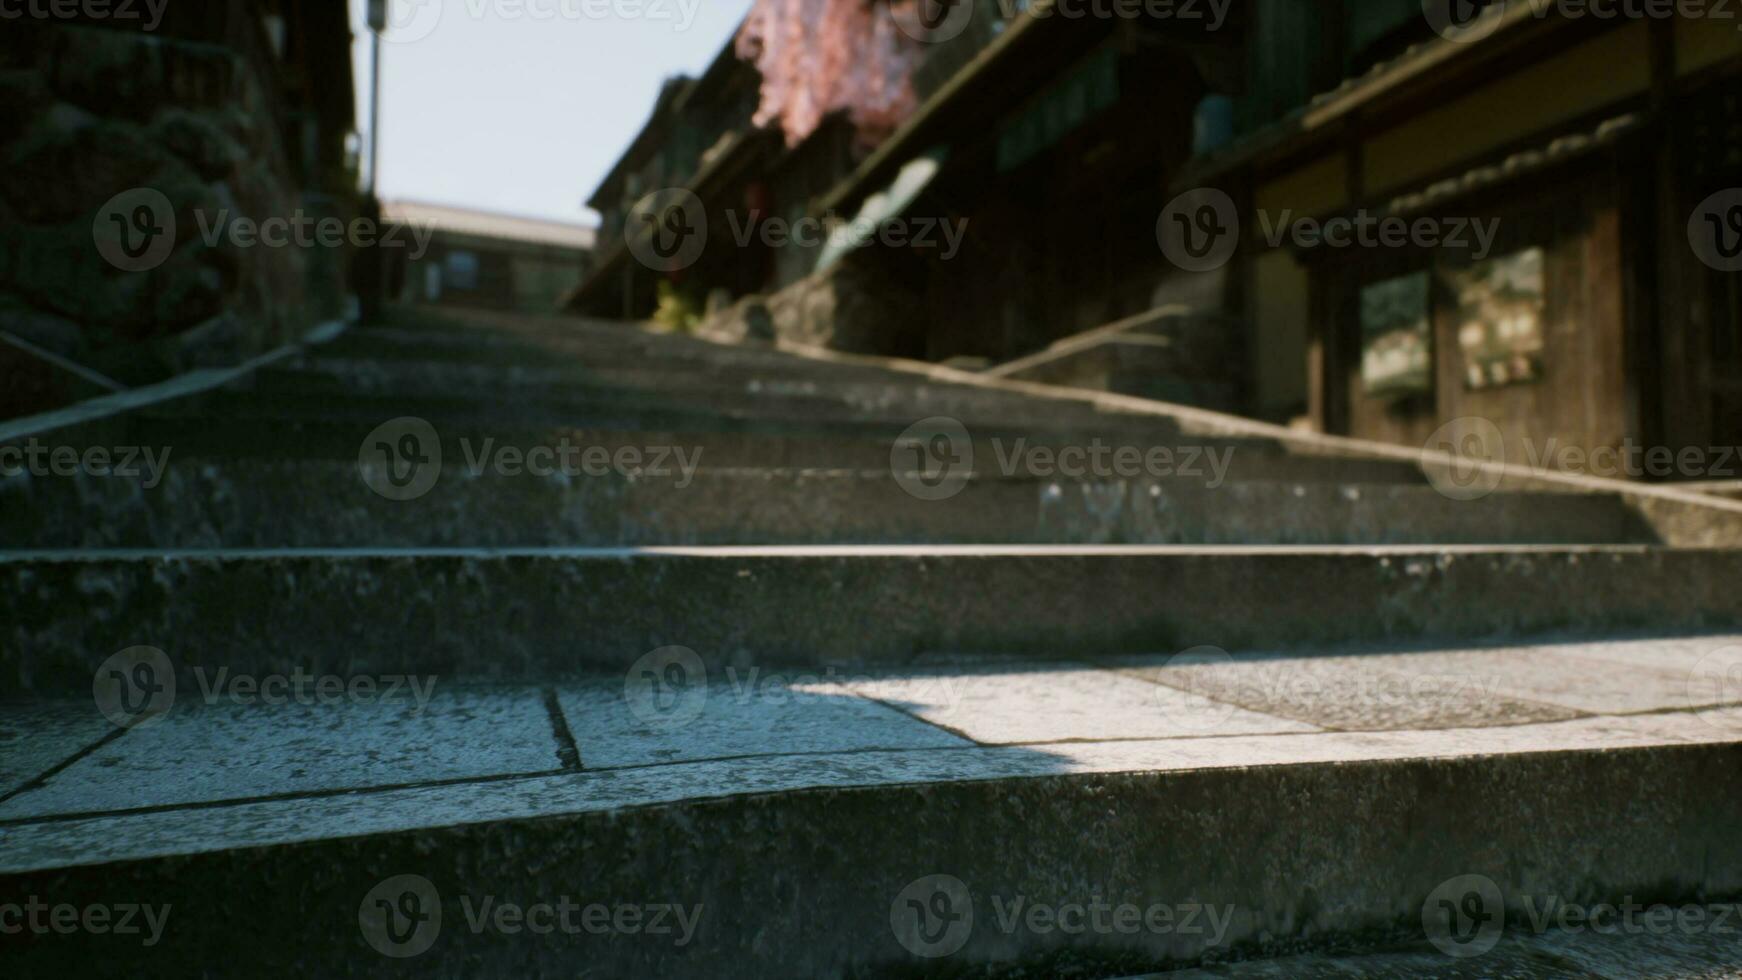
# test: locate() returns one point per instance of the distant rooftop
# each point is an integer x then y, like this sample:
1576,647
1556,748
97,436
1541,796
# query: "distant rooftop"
490,225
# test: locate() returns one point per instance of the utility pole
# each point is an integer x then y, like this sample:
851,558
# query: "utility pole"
377,24
371,276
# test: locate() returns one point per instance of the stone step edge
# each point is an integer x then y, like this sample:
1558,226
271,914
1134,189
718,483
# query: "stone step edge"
1567,822
1678,516
517,613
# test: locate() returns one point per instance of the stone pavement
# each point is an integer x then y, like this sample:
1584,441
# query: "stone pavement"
1616,953
1507,739
521,646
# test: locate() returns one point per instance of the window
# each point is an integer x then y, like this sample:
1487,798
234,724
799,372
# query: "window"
462,270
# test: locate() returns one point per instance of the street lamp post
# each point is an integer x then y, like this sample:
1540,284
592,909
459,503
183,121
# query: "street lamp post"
377,25
371,277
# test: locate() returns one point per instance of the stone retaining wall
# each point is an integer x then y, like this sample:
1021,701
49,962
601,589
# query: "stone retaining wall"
853,307
90,112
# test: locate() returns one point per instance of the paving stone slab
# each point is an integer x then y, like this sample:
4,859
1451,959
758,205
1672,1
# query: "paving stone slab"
1025,703
1347,693
1565,680
1555,955
1362,846
1711,656
1711,949
35,737
204,752
641,721
1444,689
29,840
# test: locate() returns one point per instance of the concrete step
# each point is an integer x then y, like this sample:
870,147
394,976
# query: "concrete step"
672,355
801,380
552,391
529,613
793,444
631,410
1651,950
1448,808
678,499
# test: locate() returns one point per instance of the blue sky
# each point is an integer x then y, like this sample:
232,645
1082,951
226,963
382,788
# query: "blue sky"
521,106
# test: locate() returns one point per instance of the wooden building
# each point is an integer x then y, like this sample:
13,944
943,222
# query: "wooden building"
1585,146
1545,171
449,256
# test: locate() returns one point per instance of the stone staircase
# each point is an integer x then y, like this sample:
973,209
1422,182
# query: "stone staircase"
529,646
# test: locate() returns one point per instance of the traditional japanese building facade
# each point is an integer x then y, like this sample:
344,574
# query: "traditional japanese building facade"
1527,217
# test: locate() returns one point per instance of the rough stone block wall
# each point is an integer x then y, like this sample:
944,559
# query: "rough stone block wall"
854,306
87,113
